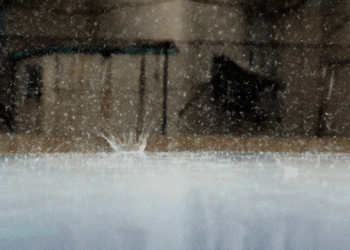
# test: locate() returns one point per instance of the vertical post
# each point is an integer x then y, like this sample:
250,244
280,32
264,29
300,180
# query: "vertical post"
141,113
106,95
165,89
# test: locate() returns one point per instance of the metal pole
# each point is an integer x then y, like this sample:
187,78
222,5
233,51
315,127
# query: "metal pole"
165,90
141,114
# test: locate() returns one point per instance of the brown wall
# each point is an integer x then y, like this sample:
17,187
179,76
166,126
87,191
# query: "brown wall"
109,88
308,67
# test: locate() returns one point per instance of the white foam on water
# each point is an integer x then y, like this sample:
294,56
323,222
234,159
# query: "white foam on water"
175,201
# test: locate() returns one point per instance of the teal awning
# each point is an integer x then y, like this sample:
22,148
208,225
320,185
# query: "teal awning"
15,56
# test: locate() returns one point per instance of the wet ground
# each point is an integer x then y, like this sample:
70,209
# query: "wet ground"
23,144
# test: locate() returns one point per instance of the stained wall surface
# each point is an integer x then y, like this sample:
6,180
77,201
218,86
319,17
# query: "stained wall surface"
307,50
314,66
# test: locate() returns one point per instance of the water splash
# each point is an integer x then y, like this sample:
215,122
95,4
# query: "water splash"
127,142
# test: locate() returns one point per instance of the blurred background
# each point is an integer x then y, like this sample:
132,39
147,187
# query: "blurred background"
71,69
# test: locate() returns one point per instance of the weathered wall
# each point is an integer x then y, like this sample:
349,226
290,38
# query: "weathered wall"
84,93
157,22
209,30
71,94
39,23
337,58
88,94
307,67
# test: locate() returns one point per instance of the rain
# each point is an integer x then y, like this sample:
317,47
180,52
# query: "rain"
177,124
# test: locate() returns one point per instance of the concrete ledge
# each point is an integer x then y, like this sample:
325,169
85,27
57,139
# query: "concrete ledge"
19,144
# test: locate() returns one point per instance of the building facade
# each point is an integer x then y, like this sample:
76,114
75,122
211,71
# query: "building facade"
76,68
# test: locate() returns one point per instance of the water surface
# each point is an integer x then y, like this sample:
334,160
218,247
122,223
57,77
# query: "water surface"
175,201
